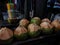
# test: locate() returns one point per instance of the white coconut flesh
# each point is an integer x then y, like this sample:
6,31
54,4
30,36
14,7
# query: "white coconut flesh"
20,30
5,34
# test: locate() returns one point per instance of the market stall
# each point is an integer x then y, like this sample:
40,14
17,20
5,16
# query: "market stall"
29,22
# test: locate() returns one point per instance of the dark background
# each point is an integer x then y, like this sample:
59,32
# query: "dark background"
39,7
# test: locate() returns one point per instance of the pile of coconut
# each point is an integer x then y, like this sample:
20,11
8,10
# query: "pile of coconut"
31,28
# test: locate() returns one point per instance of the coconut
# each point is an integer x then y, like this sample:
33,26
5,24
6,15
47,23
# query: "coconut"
46,20
56,24
24,22
46,27
34,30
36,20
6,35
20,33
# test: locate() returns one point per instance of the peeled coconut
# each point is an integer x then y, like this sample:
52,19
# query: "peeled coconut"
46,20
46,27
34,30
20,33
36,20
56,24
6,35
24,22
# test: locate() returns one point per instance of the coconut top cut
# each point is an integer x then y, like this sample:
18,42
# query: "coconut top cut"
33,27
46,25
24,22
5,33
37,18
20,30
46,20
56,24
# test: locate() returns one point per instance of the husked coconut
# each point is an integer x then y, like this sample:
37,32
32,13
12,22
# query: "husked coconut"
24,22
46,27
56,24
6,35
46,20
34,30
36,20
20,32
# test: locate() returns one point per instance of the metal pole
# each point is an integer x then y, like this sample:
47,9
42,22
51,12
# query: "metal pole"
25,9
